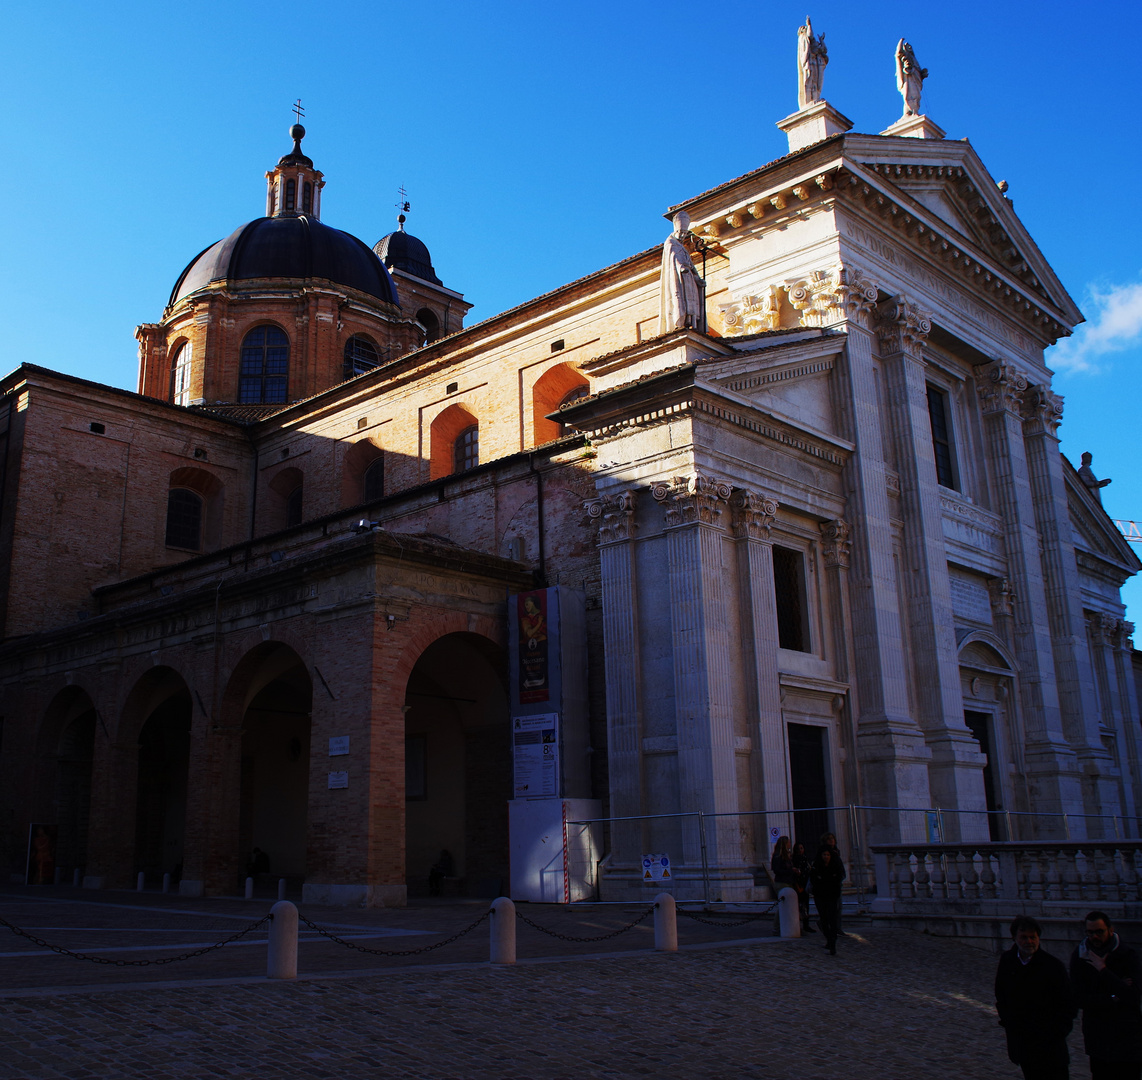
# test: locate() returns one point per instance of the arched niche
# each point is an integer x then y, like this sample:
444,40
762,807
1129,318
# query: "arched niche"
445,430
359,461
558,384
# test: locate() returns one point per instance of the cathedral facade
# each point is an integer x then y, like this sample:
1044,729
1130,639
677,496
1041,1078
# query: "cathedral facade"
784,498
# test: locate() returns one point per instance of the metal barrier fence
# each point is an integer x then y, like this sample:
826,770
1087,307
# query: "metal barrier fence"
712,855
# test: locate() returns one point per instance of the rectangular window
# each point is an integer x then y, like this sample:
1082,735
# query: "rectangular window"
789,595
941,438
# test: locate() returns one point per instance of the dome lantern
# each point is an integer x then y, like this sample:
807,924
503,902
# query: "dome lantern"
293,186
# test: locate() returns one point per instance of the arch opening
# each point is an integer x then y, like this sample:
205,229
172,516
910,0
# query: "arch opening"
557,386
457,769
160,797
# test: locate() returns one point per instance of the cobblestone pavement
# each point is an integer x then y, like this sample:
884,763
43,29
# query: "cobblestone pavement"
892,1004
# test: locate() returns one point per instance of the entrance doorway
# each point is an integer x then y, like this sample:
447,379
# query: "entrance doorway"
160,808
810,783
73,792
274,806
457,769
980,725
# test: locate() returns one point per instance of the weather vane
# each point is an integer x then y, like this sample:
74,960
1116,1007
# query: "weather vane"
298,111
402,205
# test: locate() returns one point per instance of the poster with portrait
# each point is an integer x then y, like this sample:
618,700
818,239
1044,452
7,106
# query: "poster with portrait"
42,839
534,673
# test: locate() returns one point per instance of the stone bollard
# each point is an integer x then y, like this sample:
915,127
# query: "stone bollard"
139,882
166,883
77,879
789,912
281,888
503,931
281,960
249,888
665,923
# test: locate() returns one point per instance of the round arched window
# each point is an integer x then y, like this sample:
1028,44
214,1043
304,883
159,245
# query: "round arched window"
427,318
466,449
360,355
375,481
180,374
265,367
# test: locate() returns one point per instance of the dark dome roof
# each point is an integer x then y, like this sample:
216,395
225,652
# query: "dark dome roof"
288,247
407,253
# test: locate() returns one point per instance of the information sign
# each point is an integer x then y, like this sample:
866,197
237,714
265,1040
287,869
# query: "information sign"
535,744
656,868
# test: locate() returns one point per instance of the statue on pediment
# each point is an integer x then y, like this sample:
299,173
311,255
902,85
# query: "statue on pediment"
1086,475
910,77
812,56
681,292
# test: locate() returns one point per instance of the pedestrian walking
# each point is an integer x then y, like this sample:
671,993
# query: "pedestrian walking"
826,877
829,843
1106,975
1035,1004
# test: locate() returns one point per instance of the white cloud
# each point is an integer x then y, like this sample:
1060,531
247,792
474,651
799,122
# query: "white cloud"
1115,323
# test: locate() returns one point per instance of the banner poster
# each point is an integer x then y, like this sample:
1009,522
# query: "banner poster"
534,672
42,854
535,745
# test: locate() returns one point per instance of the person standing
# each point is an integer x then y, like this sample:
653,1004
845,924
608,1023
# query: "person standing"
1035,1004
826,877
1106,975
829,843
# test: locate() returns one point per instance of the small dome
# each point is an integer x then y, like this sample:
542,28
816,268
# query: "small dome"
405,252
289,247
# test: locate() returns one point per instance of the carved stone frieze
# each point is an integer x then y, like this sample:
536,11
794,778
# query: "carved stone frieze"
752,314
901,327
690,499
835,542
1042,410
1002,596
827,296
753,514
613,515
1000,387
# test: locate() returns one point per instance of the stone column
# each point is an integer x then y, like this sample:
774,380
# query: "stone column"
753,516
836,544
1042,414
1129,730
1117,772
890,746
614,515
956,769
703,650
1054,778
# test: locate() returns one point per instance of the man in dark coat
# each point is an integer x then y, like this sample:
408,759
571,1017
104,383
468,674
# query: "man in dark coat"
1035,1005
826,877
1107,979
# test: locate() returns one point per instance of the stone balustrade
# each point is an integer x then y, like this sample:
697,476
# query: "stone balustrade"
1081,872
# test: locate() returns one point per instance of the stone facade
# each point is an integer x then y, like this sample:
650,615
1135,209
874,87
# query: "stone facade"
831,556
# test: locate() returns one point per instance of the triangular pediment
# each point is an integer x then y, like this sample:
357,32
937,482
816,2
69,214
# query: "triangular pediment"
1092,528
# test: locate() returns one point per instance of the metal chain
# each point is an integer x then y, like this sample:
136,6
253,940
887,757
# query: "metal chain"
741,921
393,952
132,963
569,937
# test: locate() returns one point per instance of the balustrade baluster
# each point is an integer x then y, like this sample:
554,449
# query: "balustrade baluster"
1108,876
1034,876
988,864
922,877
938,876
1054,890
1129,872
1088,876
969,875
1072,874
953,887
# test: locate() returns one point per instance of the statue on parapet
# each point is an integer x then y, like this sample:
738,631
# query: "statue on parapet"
812,56
1086,475
681,302
910,77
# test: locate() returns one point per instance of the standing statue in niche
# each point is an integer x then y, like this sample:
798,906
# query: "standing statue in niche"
812,56
910,77
681,295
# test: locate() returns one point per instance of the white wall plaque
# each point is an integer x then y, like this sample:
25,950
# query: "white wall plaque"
338,744
338,779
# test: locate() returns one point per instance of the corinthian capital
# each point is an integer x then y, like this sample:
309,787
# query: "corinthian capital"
614,516
835,542
901,326
688,499
753,514
1042,410
828,296
1000,387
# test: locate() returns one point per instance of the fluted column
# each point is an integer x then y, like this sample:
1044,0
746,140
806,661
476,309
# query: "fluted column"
1129,728
956,770
1042,414
1054,780
614,516
703,654
753,516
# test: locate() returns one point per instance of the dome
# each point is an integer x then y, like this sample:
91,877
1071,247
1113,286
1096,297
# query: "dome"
405,252
289,247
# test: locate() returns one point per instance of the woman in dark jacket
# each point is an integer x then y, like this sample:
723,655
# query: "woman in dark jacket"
826,877
803,865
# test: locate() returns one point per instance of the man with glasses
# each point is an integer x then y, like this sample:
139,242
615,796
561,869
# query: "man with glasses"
1107,978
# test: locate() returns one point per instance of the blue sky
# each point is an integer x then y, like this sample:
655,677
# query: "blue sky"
536,146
